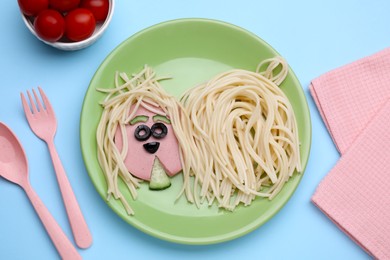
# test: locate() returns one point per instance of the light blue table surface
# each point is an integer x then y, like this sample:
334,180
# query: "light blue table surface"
314,37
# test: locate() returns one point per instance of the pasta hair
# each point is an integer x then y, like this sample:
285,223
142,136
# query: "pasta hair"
119,107
237,134
245,136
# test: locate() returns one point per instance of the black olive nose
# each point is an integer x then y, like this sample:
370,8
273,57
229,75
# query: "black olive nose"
152,147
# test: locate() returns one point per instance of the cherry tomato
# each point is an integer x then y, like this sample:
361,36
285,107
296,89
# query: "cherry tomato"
64,5
33,7
99,8
49,25
80,24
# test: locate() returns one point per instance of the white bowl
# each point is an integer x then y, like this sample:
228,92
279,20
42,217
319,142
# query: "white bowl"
73,46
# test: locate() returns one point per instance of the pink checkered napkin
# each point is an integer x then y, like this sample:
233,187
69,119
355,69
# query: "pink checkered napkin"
355,195
348,97
355,106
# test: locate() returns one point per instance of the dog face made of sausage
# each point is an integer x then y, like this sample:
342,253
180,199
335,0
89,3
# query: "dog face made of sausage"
149,136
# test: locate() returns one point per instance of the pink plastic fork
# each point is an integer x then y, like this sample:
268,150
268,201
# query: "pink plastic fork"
43,123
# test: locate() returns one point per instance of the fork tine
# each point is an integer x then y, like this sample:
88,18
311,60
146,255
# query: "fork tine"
46,101
32,103
38,101
26,107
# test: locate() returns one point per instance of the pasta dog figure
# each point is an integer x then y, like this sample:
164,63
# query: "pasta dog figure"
234,137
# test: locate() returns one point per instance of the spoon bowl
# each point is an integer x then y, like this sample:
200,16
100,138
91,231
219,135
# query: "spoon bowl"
13,160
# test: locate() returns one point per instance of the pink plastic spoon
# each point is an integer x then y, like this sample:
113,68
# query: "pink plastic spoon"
14,168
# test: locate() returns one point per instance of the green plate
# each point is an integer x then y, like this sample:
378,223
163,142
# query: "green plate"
191,51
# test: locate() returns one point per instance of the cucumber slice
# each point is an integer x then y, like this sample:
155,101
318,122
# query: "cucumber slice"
161,118
159,179
139,119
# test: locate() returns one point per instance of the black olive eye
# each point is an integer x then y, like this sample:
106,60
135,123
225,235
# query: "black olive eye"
142,132
159,130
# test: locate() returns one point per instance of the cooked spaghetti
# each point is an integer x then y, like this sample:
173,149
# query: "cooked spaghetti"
245,137
237,134
119,107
